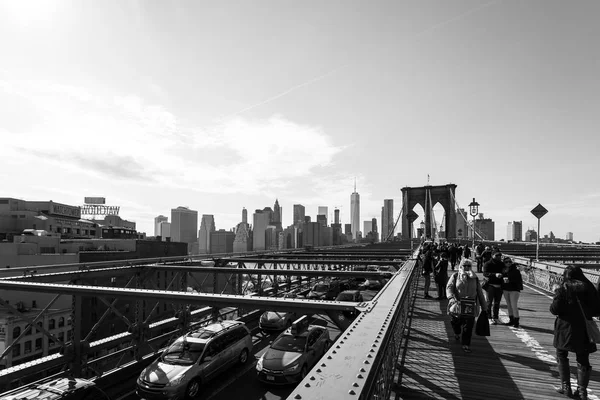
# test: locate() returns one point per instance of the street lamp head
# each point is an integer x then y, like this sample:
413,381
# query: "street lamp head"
474,208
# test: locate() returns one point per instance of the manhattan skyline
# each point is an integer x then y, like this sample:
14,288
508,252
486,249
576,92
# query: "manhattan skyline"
222,106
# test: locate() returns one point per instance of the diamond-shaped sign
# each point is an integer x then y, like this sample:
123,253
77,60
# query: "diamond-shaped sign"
411,216
539,211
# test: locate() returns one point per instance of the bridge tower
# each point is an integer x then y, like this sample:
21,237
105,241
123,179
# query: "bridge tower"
427,197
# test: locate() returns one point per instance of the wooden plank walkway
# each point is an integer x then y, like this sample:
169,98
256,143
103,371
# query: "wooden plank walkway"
510,364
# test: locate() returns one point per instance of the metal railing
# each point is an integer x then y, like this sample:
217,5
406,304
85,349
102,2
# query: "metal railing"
363,362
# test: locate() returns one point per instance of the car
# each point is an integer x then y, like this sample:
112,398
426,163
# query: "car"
64,388
353,296
324,291
372,284
350,295
289,358
194,359
277,320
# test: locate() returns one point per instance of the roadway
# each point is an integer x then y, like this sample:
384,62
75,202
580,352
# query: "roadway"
241,381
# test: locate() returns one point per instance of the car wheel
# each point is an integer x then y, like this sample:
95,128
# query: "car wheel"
243,356
193,389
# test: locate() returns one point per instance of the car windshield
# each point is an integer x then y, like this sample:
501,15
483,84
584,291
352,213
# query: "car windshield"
183,353
345,297
321,288
290,343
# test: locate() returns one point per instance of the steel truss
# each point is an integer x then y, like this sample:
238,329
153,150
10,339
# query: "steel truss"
363,361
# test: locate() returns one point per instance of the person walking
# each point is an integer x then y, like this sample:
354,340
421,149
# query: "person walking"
574,301
467,252
511,287
427,270
492,271
440,274
478,255
453,255
464,285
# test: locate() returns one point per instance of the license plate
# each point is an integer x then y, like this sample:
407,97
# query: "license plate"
270,378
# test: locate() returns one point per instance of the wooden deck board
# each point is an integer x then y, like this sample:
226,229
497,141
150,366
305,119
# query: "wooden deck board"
509,364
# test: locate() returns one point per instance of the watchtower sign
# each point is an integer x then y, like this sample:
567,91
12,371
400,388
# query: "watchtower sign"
411,216
539,211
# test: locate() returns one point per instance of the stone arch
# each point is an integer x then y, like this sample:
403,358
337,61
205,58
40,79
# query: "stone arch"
427,197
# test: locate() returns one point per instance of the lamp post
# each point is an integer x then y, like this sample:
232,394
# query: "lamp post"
422,224
474,210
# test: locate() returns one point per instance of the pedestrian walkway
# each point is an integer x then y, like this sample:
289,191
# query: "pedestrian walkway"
511,363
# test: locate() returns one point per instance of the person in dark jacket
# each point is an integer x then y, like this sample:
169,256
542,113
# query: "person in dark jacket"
492,271
575,295
467,252
511,288
440,273
427,270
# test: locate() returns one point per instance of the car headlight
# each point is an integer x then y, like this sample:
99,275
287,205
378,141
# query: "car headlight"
293,368
259,364
176,381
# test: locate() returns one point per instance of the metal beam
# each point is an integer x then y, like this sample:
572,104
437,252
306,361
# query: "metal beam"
315,261
64,276
216,300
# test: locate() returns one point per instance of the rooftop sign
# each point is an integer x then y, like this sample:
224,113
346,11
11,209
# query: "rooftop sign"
94,200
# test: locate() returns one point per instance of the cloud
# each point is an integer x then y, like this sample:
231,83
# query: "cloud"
124,138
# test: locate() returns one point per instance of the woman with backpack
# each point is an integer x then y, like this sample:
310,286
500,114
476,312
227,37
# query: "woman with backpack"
465,300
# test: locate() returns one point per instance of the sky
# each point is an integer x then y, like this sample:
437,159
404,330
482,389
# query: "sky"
223,105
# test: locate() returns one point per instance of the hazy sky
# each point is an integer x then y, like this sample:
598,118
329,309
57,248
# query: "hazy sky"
219,105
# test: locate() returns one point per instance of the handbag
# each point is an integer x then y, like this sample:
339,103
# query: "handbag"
486,284
467,308
590,326
482,326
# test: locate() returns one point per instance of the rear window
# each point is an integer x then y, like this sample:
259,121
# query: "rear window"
321,288
345,297
290,343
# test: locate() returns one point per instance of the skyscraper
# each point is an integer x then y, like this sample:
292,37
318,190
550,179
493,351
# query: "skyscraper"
387,219
514,231
261,220
336,214
164,230
368,227
276,216
243,235
570,236
184,225
157,221
322,210
207,226
298,214
355,212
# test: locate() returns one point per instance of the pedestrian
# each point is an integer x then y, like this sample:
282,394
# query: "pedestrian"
463,286
511,288
440,274
486,256
467,252
453,255
478,255
574,301
492,271
427,270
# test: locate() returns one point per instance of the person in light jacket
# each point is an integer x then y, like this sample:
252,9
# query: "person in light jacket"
575,295
464,284
511,288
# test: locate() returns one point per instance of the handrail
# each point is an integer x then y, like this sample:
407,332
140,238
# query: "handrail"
362,362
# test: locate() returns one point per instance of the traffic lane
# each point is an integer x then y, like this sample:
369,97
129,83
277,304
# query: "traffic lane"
244,382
